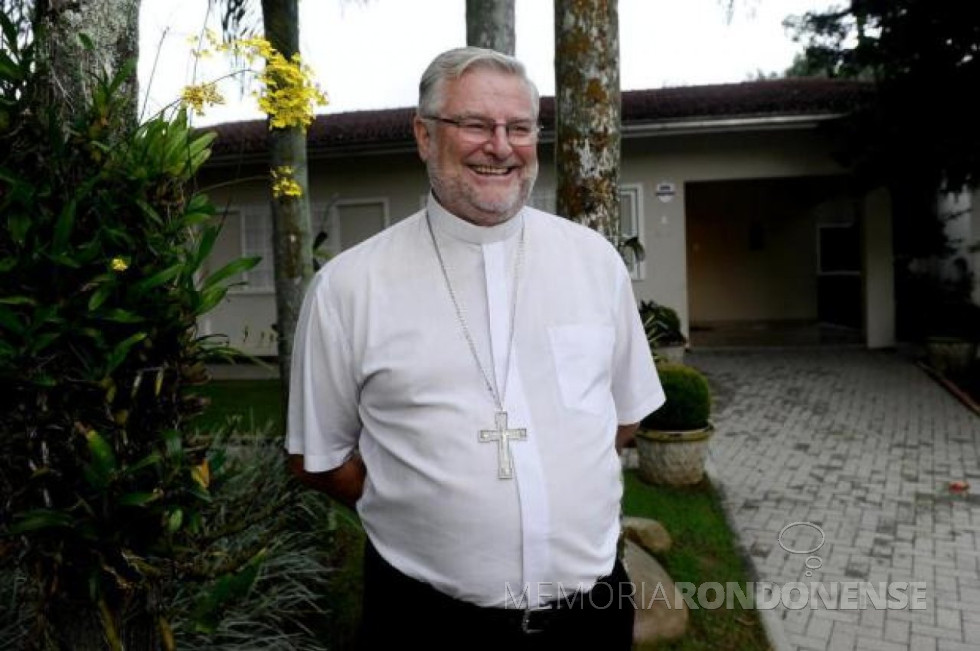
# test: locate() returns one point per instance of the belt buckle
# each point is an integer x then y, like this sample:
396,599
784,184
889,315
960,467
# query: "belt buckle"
527,626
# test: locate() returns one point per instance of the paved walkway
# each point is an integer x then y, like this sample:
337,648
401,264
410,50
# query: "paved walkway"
864,445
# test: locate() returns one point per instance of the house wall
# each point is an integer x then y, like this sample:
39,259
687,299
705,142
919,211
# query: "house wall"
975,243
247,315
879,277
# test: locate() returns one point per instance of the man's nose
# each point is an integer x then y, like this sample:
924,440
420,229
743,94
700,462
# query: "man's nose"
498,143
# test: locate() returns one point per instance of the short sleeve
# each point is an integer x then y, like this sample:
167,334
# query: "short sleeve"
635,385
322,421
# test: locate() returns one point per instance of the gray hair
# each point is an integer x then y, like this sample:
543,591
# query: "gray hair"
452,64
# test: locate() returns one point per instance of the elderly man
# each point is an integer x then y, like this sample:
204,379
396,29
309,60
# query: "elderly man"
465,379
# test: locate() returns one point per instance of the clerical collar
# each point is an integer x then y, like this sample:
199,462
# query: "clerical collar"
460,229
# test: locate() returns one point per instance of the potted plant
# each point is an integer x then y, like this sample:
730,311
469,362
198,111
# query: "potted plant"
672,442
663,330
951,346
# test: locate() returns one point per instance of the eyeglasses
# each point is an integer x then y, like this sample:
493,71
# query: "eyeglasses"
480,130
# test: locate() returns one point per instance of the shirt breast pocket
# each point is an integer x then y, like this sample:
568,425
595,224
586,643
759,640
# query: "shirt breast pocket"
583,357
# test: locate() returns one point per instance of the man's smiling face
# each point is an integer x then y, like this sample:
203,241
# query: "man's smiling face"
488,182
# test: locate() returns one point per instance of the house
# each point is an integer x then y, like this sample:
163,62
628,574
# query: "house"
748,222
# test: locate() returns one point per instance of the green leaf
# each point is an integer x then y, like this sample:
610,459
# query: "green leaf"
231,269
208,237
200,203
9,320
6,350
103,458
122,316
139,499
151,459
99,297
202,142
86,41
46,315
92,333
18,224
9,68
125,71
172,443
9,32
210,298
158,278
149,211
195,218
38,520
65,260
175,519
63,227
18,300
227,590
40,342
119,353
197,160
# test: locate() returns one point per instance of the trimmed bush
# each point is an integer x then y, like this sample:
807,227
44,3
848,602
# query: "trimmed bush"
688,403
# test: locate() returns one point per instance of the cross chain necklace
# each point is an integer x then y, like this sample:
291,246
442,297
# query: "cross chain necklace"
500,434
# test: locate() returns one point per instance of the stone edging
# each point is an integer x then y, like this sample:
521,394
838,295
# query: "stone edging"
950,386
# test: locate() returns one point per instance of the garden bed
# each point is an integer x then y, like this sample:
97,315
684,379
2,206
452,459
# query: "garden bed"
704,549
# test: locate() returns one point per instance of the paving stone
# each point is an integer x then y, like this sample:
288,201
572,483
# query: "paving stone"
947,645
923,643
897,631
819,627
875,644
864,445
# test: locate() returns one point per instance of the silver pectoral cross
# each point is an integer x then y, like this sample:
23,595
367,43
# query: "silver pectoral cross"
503,437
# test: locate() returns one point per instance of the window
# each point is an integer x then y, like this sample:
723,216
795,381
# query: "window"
256,237
630,220
354,220
631,226
348,222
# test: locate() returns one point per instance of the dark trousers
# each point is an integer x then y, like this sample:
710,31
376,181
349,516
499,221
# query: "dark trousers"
401,612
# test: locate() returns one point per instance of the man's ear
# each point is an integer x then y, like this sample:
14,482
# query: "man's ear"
422,137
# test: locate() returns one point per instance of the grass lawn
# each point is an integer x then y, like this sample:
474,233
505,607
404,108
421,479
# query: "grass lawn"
254,404
703,551
703,547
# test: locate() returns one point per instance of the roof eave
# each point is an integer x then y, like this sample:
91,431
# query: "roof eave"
727,125
631,130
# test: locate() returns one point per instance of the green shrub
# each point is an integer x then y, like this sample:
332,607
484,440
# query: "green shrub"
101,249
688,403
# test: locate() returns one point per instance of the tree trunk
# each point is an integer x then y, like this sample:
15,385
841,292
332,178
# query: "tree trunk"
78,44
587,113
292,244
490,24
69,66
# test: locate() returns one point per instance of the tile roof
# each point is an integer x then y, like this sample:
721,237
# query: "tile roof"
391,128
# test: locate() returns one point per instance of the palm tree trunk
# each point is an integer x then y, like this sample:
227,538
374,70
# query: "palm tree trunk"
77,40
587,113
490,24
292,243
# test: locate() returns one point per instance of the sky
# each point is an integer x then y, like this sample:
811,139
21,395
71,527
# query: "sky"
369,54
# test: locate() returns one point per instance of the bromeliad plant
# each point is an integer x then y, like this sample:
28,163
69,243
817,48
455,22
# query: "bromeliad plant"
102,489
662,325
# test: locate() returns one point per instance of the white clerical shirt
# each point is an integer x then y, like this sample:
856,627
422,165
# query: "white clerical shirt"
380,362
